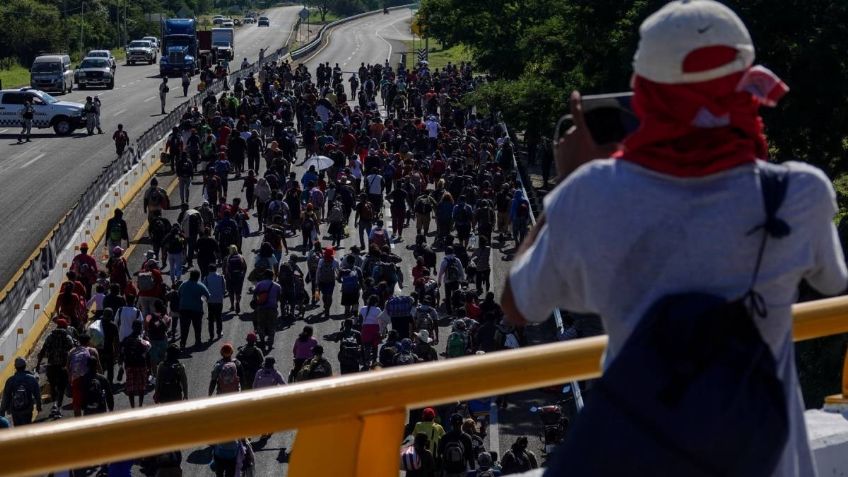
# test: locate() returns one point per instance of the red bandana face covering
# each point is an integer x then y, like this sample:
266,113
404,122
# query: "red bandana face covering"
698,129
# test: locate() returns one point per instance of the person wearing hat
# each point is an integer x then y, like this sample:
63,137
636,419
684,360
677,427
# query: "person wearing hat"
20,395
678,208
430,428
227,374
85,266
56,347
423,348
251,359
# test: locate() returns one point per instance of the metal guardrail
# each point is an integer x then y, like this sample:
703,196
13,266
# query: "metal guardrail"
354,415
318,40
557,315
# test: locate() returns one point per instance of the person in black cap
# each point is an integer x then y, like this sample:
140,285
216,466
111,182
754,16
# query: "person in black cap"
20,395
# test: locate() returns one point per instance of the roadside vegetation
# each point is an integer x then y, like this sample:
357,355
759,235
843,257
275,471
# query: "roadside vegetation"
439,54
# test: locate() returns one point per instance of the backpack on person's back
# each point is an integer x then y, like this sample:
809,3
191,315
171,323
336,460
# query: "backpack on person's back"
94,400
457,345
701,334
170,385
228,378
453,271
21,399
453,456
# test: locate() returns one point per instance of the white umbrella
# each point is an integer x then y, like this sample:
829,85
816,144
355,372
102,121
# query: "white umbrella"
320,162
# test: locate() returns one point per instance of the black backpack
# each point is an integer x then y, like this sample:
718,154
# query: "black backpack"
95,395
453,456
349,350
21,399
170,387
694,368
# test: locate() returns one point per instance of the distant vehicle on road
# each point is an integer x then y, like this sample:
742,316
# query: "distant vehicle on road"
248,20
52,73
63,116
223,43
217,19
141,51
94,72
179,47
154,41
103,54
264,21
228,23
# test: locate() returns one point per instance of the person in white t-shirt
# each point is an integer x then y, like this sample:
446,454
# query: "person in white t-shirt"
677,210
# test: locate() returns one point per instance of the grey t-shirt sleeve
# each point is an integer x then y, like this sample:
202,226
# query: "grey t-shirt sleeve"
828,274
545,276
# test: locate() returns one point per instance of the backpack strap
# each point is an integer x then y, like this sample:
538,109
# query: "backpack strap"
773,185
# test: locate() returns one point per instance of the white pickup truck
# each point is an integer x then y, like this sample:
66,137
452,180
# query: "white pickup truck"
223,42
63,116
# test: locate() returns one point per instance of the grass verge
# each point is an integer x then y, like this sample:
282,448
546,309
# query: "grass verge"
14,75
439,56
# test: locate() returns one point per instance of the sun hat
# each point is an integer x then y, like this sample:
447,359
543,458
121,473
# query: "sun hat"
670,36
424,336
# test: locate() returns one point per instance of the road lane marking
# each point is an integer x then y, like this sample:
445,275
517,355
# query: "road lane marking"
119,112
150,99
29,162
3,130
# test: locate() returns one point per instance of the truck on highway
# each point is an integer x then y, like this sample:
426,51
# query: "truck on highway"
223,43
179,50
63,116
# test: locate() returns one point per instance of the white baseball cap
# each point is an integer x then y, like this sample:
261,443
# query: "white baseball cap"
683,26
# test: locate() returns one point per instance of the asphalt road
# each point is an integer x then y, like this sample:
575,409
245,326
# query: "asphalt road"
369,40
41,180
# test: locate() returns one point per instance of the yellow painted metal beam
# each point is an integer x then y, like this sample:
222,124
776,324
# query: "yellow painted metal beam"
357,410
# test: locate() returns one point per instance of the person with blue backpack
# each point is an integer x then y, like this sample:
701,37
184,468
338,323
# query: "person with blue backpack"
691,247
351,280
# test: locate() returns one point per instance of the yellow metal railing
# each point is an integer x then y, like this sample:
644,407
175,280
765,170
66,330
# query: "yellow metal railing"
355,416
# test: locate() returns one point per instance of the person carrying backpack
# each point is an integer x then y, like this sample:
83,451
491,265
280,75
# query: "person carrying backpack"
451,273
730,231
423,207
171,380
251,359
401,308
317,367
175,246
458,340
217,286
455,450
56,348
350,278
20,395
519,216
378,236
77,367
363,218
227,374
405,354
135,357
518,459
117,233
96,392
268,375
350,347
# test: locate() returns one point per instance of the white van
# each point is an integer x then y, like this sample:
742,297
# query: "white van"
52,73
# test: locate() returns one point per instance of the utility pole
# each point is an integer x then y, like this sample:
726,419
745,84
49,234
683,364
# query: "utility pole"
82,24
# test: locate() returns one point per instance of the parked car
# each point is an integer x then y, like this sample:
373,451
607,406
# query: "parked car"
103,54
248,20
264,21
52,73
141,51
94,72
228,23
63,116
217,19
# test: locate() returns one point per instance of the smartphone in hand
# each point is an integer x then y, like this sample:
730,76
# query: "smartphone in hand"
609,117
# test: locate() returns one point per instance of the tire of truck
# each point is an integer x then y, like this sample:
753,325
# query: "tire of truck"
111,84
62,126
130,62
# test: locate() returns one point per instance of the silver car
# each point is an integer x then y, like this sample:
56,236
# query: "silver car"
106,54
141,50
94,72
